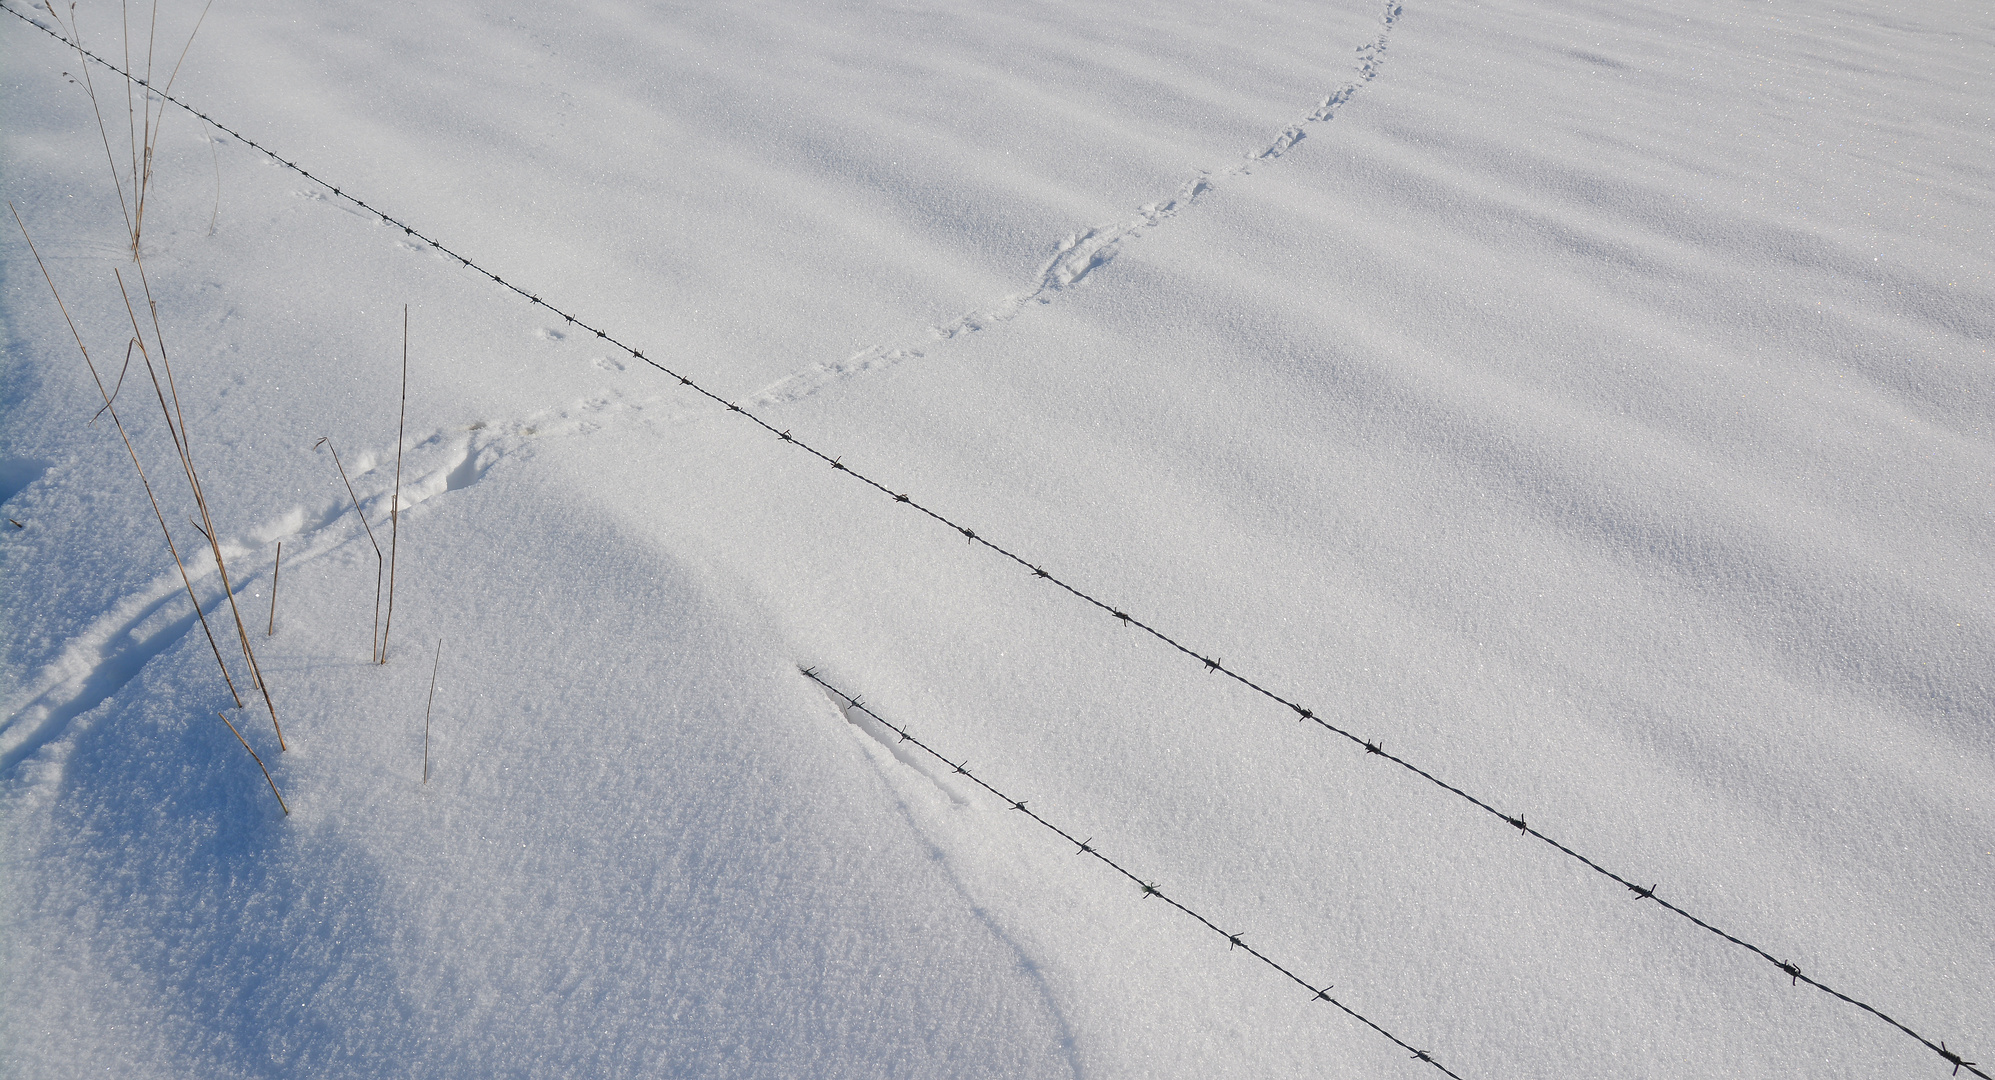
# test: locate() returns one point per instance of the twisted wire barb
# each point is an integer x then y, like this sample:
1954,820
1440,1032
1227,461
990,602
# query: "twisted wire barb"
1150,889
1211,663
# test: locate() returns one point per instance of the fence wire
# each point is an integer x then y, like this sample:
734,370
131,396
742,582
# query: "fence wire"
1149,888
1212,664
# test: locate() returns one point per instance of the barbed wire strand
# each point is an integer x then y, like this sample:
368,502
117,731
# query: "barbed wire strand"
1150,888
1212,664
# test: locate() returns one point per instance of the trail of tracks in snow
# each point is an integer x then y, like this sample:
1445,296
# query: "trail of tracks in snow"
1081,253
118,645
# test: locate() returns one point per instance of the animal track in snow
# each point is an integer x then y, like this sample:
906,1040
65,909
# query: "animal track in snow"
117,646
1080,254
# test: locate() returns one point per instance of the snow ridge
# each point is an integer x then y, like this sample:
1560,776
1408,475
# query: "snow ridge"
1081,253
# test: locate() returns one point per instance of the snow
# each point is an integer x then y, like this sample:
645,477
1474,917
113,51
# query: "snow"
1592,407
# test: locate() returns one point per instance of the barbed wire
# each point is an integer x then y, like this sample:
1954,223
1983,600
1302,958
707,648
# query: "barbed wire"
1211,663
1150,888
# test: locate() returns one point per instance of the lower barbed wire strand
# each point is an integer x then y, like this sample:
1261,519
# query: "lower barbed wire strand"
1149,888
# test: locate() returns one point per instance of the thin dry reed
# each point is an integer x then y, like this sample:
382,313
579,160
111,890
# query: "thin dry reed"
395,508
427,709
259,764
380,564
275,569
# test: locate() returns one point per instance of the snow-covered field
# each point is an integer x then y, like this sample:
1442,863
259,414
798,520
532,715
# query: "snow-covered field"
1590,404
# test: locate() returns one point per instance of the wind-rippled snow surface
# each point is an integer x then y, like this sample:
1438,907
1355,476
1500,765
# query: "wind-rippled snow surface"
1590,404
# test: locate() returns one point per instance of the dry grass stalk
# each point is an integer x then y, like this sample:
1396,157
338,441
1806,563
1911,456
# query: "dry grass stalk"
427,709
176,425
374,652
275,569
395,508
109,398
259,764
